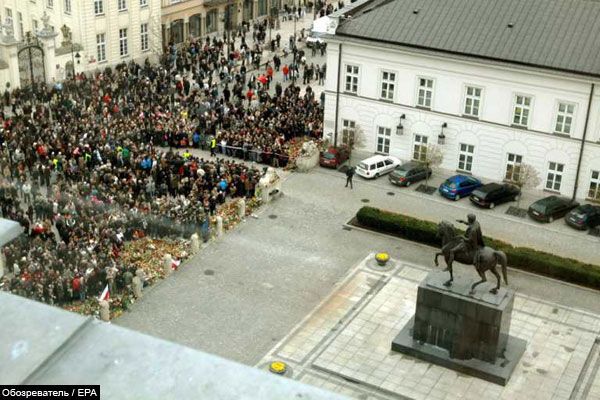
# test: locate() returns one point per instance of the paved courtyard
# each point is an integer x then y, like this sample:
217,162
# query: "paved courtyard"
344,345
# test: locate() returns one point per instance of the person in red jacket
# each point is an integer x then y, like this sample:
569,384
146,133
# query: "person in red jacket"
286,71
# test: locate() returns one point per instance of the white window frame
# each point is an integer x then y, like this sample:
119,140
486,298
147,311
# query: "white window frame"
472,102
564,119
513,167
121,5
50,3
384,139
387,85
348,132
123,45
143,3
525,111
98,7
101,47
422,92
9,17
68,7
594,190
351,78
144,37
420,143
554,176
21,27
466,155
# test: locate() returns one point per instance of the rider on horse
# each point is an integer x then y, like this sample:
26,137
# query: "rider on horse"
472,241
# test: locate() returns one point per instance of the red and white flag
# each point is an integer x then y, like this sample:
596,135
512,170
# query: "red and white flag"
105,294
175,264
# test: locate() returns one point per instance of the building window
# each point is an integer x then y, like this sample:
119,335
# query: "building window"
123,51
425,92
465,157
383,140
122,5
68,6
522,110
34,23
143,3
98,7
177,31
211,21
564,118
388,84
9,19
20,22
513,167
555,171
101,47
348,132
594,192
50,3
472,101
420,148
195,24
144,37
352,78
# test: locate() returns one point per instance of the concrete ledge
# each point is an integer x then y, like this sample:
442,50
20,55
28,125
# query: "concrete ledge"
498,373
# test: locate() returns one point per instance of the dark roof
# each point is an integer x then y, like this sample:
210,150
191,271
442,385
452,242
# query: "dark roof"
557,34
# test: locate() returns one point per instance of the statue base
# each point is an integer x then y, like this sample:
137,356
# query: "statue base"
464,332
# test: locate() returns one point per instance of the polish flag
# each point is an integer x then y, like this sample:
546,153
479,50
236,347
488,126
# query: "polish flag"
105,294
175,264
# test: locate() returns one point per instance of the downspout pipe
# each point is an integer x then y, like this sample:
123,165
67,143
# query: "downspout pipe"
585,129
337,95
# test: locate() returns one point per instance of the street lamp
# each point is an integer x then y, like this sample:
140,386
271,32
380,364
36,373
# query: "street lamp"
441,136
400,128
294,45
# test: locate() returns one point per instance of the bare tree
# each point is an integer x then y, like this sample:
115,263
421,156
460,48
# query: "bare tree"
525,176
357,139
432,159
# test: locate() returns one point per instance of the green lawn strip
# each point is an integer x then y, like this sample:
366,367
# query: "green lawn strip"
524,258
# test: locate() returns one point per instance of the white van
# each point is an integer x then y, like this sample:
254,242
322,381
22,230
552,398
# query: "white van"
374,167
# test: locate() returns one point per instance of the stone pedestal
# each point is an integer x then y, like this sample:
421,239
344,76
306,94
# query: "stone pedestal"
219,226
464,332
195,243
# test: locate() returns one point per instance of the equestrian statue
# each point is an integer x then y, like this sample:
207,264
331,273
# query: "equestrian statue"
470,250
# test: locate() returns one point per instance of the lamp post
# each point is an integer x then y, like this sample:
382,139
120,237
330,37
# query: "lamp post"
294,69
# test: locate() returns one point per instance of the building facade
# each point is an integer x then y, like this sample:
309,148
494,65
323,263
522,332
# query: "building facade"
74,35
487,116
193,18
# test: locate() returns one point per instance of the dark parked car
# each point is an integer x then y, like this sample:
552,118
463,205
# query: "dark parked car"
458,186
493,194
333,157
406,174
550,208
583,217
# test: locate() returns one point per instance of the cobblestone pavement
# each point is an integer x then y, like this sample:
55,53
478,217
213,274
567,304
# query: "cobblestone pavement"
556,238
344,345
247,290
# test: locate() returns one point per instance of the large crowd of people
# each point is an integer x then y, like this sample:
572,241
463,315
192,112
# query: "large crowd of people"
88,164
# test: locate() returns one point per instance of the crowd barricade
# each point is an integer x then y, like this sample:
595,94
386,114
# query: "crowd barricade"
259,156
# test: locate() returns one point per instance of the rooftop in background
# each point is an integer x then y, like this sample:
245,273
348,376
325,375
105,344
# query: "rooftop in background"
45,345
561,35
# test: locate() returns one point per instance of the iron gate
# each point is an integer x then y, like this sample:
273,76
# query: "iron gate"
32,71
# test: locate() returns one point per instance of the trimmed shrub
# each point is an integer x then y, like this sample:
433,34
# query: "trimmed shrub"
524,258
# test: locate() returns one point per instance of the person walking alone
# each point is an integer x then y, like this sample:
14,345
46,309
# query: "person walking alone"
349,176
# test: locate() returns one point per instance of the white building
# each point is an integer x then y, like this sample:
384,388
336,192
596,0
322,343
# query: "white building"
503,82
103,33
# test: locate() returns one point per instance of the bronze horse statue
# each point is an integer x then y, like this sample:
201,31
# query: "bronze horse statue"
487,259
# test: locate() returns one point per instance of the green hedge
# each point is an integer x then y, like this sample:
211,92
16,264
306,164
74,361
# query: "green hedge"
518,257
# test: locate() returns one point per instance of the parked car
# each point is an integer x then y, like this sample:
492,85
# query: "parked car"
550,208
333,157
583,217
374,167
406,174
458,186
492,194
